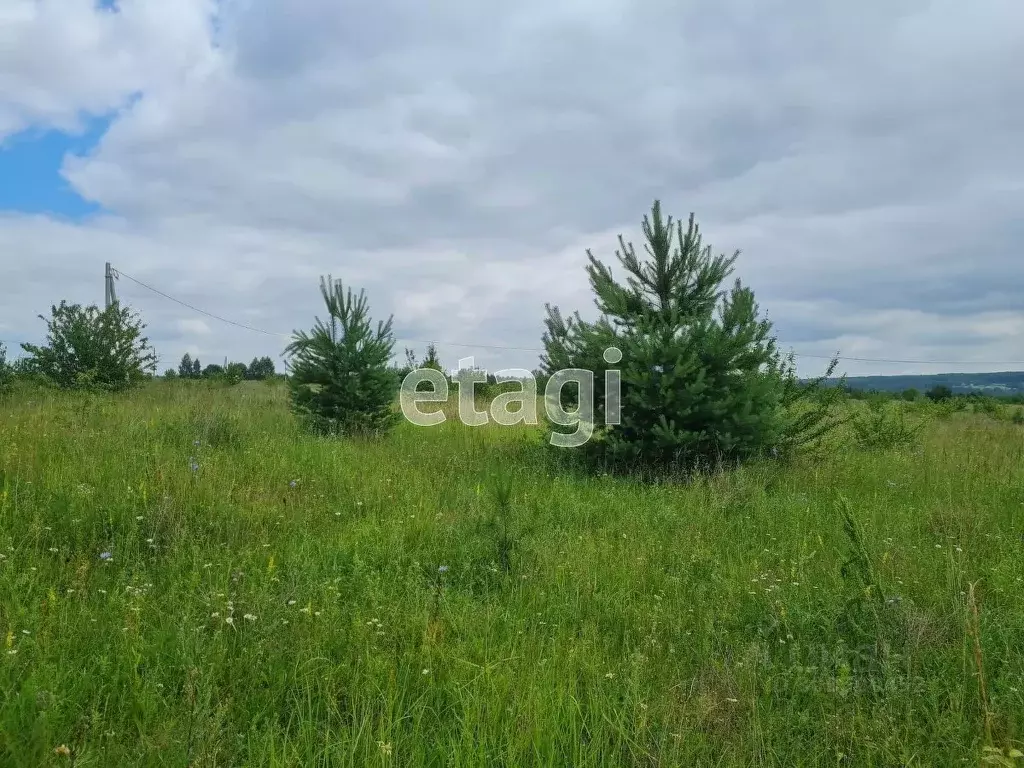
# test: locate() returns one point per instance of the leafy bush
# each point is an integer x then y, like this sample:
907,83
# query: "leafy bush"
89,348
938,393
702,380
235,372
884,428
341,382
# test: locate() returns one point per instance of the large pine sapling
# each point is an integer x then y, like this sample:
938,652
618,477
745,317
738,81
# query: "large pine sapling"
340,381
703,382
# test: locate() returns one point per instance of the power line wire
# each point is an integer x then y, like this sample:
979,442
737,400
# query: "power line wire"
469,345
197,309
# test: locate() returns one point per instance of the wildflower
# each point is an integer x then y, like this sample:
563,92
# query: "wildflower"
385,748
195,443
229,620
609,675
293,483
291,602
62,751
249,617
106,555
138,517
442,569
193,464
426,671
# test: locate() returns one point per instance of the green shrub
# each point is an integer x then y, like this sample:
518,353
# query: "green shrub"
884,428
89,348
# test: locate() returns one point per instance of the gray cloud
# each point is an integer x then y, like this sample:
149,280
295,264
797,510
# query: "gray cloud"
458,160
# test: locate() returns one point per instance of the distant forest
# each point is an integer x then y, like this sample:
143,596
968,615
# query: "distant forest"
1002,383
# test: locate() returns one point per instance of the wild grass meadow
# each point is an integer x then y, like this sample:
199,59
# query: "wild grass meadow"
187,579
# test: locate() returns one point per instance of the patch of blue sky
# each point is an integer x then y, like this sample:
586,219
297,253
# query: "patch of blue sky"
30,170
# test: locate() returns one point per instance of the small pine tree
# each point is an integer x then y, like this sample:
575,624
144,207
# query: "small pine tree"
432,360
702,380
89,348
340,380
185,366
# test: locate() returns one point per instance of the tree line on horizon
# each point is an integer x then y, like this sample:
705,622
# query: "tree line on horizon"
260,369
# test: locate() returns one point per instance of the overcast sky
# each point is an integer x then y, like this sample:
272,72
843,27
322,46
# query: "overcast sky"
457,159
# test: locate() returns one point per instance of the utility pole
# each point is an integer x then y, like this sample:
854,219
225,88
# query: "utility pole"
111,295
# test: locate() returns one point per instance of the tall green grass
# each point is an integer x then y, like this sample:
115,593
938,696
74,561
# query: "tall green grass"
452,597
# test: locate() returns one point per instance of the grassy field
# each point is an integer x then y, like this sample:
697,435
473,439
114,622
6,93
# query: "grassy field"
450,597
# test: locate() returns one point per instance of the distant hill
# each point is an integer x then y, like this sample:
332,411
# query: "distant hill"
1002,383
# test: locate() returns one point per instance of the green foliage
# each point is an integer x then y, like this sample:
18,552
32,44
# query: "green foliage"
1018,416
6,372
235,372
340,380
884,427
89,348
939,393
170,374
432,360
870,624
988,406
260,369
702,380
213,371
189,368
910,394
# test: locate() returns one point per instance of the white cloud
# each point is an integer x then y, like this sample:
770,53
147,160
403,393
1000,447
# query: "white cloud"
192,327
456,161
